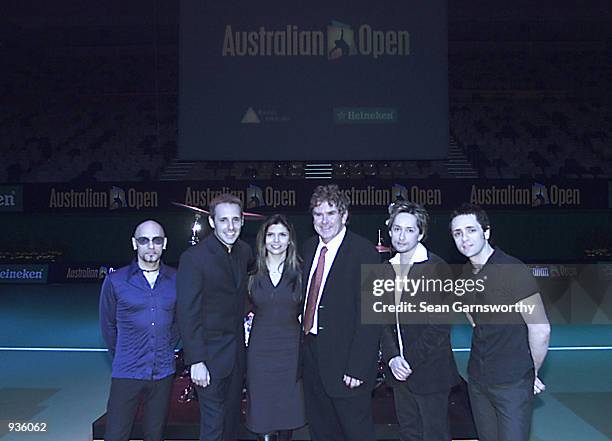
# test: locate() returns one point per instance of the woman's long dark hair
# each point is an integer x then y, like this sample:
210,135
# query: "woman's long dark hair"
292,263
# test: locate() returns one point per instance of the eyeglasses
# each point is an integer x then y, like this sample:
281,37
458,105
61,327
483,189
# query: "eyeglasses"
142,241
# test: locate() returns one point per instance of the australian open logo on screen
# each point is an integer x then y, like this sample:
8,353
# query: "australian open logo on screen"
339,40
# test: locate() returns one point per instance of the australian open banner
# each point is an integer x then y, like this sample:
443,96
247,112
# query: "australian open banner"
371,195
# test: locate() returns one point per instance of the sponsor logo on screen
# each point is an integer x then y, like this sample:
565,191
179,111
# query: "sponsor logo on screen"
23,273
259,116
11,198
338,40
113,199
250,117
365,115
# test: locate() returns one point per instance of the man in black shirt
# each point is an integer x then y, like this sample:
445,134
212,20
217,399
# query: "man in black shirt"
508,345
211,290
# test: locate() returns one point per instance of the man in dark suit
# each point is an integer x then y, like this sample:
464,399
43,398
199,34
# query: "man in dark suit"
211,293
417,348
339,353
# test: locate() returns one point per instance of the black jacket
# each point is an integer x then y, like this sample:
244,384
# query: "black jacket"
345,345
427,347
211,294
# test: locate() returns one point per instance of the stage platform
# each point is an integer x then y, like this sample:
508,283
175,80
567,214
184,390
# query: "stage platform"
57,327
183,418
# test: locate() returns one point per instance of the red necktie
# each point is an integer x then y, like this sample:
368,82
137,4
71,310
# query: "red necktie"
313,292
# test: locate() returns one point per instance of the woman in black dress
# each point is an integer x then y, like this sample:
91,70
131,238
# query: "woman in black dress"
275,396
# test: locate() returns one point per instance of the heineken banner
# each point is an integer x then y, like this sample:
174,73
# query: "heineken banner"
55,272
290,196
24,273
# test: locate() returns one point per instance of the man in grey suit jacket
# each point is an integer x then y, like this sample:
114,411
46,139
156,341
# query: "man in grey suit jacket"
211,294
340,353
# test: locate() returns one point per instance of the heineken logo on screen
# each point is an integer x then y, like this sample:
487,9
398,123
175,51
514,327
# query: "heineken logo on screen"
336,41
365,115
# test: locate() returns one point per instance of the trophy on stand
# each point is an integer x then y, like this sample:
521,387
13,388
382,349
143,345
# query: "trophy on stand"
195,229
380,247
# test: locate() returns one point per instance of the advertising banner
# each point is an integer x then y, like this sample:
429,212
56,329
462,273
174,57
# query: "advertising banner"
11,198
23,273
294,195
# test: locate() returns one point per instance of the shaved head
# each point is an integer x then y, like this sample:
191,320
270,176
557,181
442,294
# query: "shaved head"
149,242
149,226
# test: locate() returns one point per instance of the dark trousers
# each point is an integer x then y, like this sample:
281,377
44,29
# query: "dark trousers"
125,396
502,412
333,418
422,417
220,406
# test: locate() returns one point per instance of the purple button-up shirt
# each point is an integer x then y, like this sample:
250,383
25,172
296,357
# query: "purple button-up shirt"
138,322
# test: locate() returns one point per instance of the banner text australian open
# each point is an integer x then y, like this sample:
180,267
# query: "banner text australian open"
294,196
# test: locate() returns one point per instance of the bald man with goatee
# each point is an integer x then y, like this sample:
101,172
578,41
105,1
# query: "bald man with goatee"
137,304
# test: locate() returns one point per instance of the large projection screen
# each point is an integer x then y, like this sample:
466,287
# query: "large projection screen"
315,80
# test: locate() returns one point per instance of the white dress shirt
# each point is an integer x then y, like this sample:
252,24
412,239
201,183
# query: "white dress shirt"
332,249
401,270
